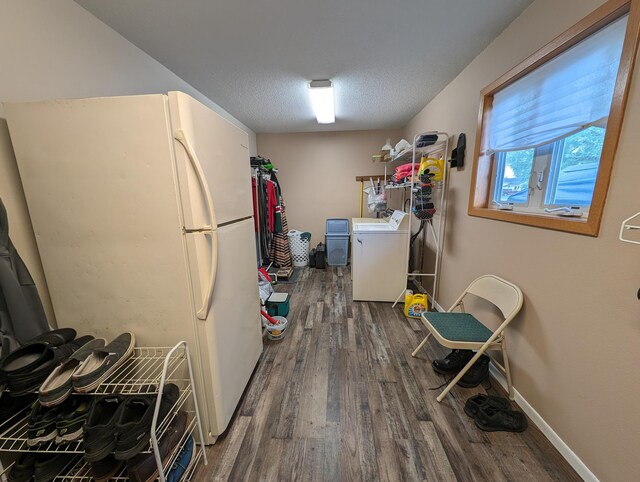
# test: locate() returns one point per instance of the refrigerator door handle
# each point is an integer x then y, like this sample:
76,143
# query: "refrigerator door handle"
197,167
210,229
203,312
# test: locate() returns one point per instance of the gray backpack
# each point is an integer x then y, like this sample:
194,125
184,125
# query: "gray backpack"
22,316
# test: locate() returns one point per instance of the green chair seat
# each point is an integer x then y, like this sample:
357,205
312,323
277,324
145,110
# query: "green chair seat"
462,327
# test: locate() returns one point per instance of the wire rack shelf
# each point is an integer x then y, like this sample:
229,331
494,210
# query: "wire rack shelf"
78,469
146,373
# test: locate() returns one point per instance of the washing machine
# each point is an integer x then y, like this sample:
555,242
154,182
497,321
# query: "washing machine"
379,257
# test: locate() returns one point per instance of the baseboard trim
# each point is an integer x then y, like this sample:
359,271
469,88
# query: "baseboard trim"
568,454
575,462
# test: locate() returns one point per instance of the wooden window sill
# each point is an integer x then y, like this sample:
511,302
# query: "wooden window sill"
584,226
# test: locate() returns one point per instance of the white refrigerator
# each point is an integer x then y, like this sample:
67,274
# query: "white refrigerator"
142,211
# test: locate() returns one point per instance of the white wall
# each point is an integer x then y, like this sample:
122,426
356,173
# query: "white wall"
317,172
575,347
56,49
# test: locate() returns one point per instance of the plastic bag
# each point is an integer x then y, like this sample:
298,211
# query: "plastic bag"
264,290
376,201
264,285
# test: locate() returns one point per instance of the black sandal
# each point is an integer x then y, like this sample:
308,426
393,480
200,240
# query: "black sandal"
475,403
496,420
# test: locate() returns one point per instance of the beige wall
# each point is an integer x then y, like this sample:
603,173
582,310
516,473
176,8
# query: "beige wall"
317,172
59,50
576,346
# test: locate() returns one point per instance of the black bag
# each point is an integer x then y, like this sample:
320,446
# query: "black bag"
321,256
22,316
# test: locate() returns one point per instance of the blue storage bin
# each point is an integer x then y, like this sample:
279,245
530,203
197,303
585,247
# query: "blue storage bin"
337,239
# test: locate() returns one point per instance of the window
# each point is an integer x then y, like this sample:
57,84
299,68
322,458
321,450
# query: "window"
550,126
551,178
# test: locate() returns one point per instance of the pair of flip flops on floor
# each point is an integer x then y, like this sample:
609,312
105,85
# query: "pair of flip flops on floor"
494,414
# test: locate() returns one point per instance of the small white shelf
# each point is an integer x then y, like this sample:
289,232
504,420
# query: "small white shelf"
404,154
142,372
13,437
146,372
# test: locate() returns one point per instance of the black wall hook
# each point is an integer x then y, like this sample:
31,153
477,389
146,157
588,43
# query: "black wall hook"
457,156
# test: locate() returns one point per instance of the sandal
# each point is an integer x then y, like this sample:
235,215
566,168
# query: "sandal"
475,403
496,420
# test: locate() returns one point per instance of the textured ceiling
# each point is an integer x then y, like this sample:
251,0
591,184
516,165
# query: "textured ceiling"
387,58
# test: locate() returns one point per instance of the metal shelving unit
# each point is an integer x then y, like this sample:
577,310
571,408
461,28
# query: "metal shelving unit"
146,372
433,226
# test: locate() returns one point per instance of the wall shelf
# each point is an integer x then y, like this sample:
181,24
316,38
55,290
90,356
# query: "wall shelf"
407,154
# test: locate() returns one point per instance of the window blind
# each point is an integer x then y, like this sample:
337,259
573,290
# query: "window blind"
569,93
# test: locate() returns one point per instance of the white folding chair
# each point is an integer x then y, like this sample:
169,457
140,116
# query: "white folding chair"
460,330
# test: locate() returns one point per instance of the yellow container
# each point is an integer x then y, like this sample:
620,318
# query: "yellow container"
415,305
435,166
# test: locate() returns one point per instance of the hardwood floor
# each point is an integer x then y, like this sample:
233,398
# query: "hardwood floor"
341,399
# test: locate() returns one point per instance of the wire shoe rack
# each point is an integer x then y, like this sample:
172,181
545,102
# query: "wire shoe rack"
146,372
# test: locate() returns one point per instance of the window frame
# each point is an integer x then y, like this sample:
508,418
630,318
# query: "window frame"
480,197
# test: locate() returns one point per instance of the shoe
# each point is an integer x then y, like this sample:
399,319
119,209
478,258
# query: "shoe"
58,385
183,463
102,363
71,419
50,465
453,362
41,426
10,406
134,424
24,468
104,469
475,403
58,337
99,429
30,375
143,468
423,205
478,372
492,419
24,359
33,353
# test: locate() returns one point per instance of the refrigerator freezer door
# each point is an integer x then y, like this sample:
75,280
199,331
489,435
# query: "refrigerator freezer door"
224,156
231,336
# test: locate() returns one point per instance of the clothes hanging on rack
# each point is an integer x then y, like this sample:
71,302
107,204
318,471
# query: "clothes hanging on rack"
269,211
261,215
254,194
280,252
272,203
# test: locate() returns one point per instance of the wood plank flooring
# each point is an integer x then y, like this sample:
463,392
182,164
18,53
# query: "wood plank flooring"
341,399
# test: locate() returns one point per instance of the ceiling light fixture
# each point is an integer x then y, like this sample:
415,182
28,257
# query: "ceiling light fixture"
321,93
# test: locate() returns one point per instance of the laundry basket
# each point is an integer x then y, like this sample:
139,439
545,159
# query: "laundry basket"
299,244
